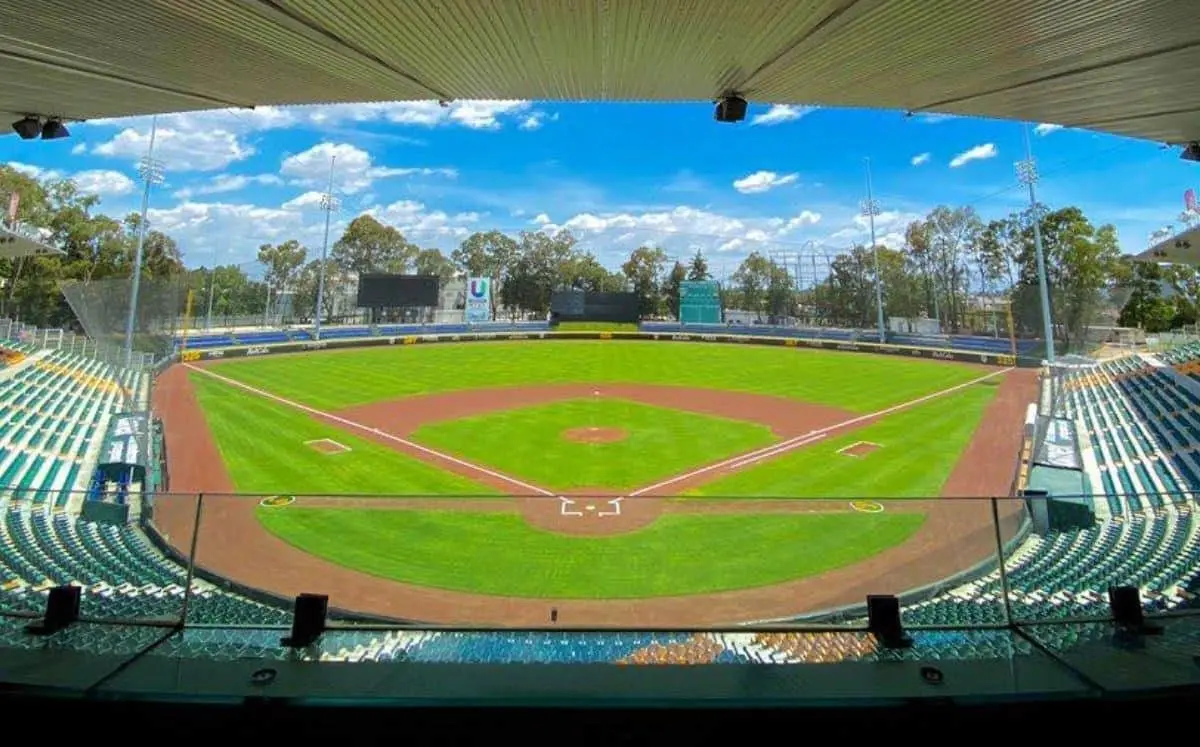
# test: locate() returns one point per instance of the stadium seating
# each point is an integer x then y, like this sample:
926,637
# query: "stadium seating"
1141,416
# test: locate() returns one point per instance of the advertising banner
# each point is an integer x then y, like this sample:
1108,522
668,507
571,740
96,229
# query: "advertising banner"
479,300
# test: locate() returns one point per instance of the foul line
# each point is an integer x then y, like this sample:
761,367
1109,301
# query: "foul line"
374,431
774,450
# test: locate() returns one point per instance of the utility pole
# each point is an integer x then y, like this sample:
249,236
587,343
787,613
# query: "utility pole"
151,172
328,204
871,208
1027,175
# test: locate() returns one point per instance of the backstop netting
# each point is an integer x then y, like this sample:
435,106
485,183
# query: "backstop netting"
102,308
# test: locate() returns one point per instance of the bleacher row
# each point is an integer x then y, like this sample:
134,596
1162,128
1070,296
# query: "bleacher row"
208,340
1141,414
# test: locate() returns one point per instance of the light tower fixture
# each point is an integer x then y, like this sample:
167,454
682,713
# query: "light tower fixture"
1027,174
330,204
151,171
870,208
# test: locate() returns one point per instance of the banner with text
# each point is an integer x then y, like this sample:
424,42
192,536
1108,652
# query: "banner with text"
479,300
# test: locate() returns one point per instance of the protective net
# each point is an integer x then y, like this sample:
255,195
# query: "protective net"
102,308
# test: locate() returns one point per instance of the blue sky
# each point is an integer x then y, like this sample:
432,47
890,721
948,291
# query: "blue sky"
787,179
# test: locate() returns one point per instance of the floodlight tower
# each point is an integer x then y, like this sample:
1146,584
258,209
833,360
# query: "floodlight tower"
329,204
1027,175
151,171
870,208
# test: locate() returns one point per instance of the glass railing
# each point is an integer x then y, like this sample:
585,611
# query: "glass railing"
598,562
589,579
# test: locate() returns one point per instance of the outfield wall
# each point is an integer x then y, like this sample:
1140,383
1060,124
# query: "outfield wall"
961,356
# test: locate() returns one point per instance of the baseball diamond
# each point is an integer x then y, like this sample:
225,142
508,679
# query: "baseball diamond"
617,481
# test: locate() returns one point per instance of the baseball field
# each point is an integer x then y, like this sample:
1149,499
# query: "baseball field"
613,481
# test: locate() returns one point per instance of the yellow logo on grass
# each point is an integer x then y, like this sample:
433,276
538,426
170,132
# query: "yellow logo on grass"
867,507
277,501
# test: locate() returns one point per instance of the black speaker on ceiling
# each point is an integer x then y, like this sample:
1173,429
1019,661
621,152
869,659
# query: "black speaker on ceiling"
730,109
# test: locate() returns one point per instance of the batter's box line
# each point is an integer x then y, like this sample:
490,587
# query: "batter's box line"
327,446
590,507
864,447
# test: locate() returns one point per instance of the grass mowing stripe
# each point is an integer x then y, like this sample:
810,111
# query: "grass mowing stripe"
854,381
499,554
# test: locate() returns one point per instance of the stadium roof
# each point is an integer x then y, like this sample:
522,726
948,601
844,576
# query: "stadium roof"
13,245
1181,249
1121,66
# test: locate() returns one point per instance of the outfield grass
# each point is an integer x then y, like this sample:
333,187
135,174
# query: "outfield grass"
919,448
262,445
857,382
500,554
527,442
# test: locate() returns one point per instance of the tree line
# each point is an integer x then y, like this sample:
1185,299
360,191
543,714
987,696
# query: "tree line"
953,267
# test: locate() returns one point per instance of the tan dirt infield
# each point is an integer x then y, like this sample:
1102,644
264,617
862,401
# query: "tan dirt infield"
232,542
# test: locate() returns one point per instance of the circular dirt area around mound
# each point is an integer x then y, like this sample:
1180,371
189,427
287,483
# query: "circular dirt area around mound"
594,434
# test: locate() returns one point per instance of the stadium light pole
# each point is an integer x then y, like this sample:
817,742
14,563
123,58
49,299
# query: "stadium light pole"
1027,175
328,204
151,172
871,208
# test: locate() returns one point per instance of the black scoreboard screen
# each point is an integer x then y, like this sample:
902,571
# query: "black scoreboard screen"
385,291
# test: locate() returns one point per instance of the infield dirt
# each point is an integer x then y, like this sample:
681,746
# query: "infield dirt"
232,542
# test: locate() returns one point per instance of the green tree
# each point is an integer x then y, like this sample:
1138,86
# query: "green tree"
698,267
644,270
675,278
433,262
752,279
369,246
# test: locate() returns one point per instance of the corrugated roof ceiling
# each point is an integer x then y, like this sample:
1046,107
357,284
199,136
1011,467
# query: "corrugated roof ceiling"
1123,66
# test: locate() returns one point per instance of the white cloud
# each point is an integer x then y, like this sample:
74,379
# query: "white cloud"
33,172
978,153
310,200
535,120
889,229
1046,129
179,149
103,182
229,232
934,118
418,223
353,171
541,219
683,229
920,158
780,113
79,149
99,182
222,183
762,181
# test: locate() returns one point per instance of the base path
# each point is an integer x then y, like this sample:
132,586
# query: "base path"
232,543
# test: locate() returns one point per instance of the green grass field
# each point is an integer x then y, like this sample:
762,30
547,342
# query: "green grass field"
528,442
498,553
262,442
858,382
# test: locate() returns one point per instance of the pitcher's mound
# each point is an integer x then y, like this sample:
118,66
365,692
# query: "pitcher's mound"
595,435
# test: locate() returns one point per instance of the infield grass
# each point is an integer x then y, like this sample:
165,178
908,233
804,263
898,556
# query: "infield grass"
858,382
498,553
528,442
918,449
262,445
